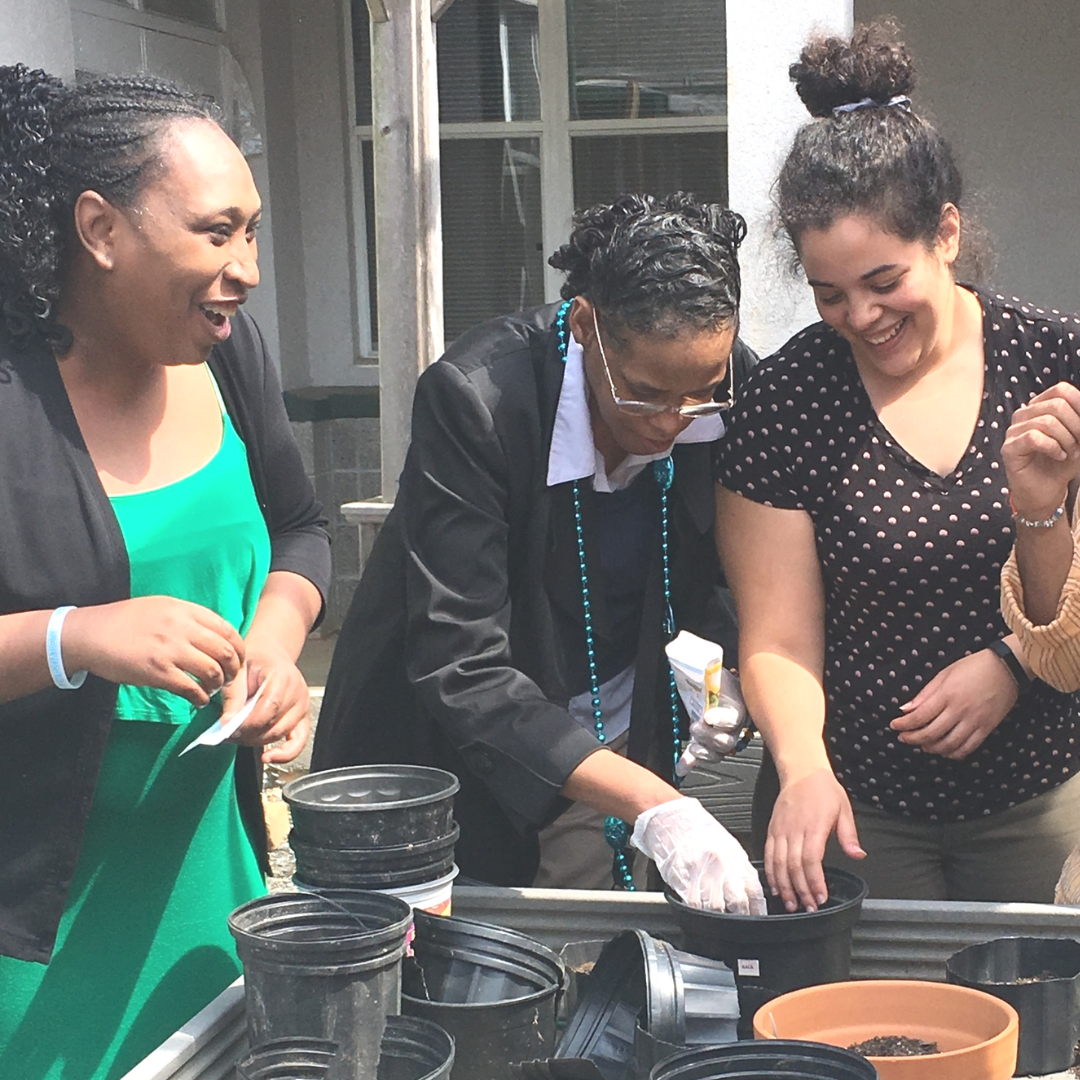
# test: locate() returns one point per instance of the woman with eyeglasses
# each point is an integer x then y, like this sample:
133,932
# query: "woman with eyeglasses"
865,517
552,530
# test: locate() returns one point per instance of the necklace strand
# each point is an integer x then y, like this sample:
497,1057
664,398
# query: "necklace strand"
617,831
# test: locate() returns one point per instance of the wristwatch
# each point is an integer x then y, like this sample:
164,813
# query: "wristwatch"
1016,669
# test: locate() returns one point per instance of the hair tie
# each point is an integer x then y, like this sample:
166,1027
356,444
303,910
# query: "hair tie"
900,101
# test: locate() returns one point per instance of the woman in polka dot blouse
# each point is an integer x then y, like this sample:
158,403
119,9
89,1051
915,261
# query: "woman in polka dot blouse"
864,518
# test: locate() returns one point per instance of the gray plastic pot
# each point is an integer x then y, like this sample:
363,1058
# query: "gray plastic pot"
323,968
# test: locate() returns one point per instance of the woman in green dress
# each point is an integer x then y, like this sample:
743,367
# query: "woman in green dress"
163,559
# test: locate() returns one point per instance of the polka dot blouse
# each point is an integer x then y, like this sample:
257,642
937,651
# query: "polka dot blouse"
910,560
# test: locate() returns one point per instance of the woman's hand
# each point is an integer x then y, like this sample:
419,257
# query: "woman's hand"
1042,451
155,641
807,811
283,711
958,708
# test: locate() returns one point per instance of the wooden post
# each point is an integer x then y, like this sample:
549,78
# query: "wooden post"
408,217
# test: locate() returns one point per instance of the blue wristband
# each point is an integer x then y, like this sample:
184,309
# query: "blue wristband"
53,654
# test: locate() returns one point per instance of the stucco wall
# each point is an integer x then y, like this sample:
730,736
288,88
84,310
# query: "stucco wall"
764,112
37,33
1000,79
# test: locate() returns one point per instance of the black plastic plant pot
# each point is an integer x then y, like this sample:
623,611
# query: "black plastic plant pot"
649,1051
492,990
458,961
372,806
765,1061
374,868
641,982
293,1058
774,953
1040,979
414,1049
323,968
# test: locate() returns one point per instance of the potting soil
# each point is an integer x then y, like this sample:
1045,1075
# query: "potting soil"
893,1046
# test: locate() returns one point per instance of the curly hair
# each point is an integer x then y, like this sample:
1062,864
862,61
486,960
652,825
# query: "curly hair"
883,161
658,265
55,143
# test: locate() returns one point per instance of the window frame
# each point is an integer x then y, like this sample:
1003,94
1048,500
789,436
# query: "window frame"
554,130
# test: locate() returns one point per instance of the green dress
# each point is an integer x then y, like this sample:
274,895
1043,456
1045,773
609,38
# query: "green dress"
144,943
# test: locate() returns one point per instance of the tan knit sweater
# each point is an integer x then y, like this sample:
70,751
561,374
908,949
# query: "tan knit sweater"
1053,650
1053,653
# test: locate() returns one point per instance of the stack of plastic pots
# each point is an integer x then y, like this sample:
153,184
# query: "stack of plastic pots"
386,828
493,990
1040,979
778,952
642,1001
321,968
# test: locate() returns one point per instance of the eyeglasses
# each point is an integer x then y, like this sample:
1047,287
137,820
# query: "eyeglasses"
651,408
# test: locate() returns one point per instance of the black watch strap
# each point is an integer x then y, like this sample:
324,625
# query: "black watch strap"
1016,669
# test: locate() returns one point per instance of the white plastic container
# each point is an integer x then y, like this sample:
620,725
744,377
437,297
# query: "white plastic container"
434,897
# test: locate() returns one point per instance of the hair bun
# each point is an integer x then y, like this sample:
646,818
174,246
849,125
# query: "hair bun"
834,71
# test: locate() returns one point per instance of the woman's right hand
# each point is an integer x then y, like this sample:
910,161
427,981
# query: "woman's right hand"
1041,451
807,811
155,641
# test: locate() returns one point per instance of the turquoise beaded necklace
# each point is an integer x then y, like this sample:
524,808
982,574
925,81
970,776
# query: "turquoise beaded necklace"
617,831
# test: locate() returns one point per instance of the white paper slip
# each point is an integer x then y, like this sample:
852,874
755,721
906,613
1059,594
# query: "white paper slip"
218,732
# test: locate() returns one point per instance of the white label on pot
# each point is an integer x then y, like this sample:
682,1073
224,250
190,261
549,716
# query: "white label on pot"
750,967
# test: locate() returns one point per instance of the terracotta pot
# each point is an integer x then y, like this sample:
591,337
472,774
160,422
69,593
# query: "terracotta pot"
976,1033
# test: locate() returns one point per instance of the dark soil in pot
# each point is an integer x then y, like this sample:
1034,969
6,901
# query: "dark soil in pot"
894,1046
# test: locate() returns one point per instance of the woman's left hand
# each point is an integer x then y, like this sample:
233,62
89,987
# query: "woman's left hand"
282,714
958,708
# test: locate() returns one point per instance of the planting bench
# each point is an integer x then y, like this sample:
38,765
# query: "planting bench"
894,939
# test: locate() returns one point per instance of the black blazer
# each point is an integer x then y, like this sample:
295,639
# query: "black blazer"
449,655
60,543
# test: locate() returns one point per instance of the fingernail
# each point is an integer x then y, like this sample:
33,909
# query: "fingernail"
774,892
790,906
821,898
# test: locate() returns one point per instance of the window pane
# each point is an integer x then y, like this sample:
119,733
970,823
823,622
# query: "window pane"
610,165
202,12
631,58
493,256
368,165
488,57
361,47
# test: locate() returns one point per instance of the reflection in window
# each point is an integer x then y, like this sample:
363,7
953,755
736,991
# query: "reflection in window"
643,58
488,61
610,165
201,12
493,258
361,48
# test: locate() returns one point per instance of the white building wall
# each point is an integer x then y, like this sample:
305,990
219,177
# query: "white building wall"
764,112
37,33
1000,80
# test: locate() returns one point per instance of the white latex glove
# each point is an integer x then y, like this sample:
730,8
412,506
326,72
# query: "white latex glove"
699,858
714,736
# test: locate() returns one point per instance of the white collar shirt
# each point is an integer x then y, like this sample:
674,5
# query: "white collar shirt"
574,455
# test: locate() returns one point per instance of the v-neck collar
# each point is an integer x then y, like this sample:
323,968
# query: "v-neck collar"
977,440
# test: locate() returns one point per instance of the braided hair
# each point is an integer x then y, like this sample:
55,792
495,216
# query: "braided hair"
55,143
656,265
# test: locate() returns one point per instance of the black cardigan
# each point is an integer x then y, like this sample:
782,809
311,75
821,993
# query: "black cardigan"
450,655
53,741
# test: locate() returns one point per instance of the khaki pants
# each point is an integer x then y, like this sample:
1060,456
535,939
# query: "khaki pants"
1013,856
574,853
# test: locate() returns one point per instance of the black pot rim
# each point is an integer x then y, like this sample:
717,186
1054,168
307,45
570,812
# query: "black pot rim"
294,792
782,918
968,950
